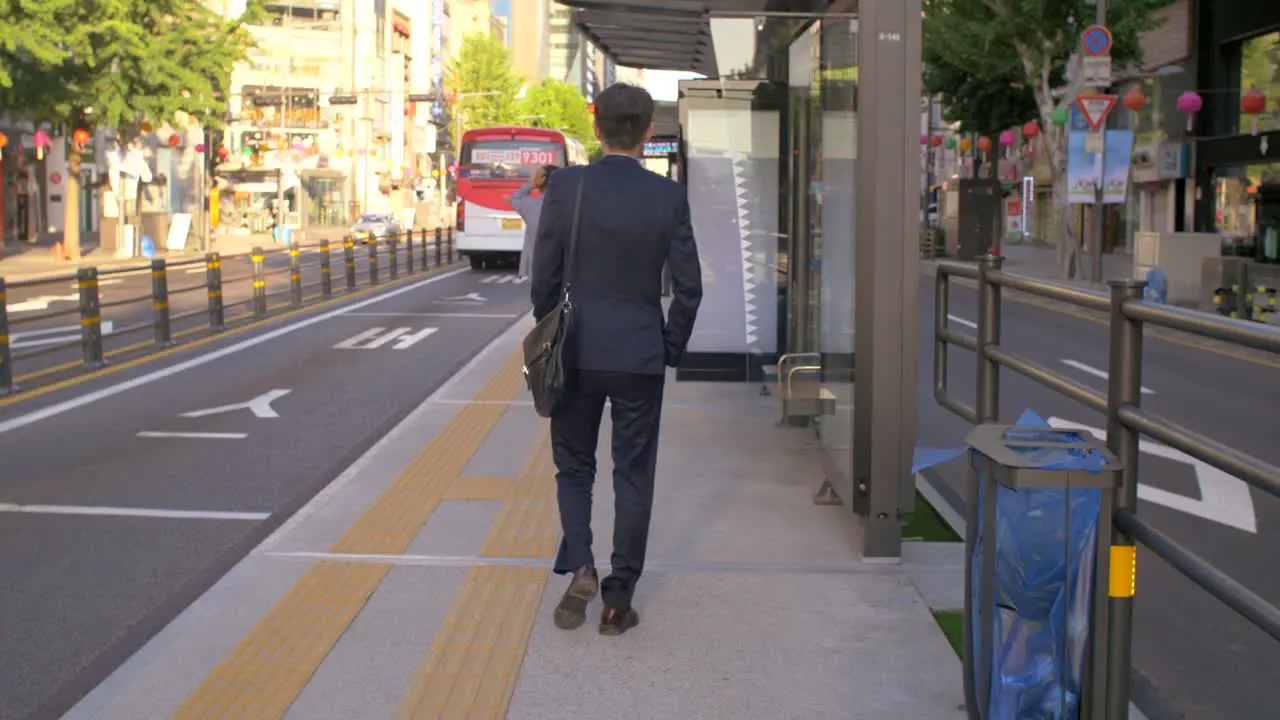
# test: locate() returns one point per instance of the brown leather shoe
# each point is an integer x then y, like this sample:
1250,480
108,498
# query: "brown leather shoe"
614,622
572,610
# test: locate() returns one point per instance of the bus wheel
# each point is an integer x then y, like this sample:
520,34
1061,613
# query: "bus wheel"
477,262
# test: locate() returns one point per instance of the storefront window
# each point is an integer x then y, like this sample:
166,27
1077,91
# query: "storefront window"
325,204
1247,210
1260,69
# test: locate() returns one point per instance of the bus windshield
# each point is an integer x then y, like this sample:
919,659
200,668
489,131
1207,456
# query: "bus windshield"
508,159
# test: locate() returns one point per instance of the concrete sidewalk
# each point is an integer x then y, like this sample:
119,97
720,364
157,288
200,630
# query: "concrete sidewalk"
417,585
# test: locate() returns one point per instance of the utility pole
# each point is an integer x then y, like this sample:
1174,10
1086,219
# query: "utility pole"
1095,234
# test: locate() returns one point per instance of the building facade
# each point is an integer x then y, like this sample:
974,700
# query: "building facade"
1237,153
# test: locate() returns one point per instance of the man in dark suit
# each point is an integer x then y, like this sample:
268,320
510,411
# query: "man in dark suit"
632,223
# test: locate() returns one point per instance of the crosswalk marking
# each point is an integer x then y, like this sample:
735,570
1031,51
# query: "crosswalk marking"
508,279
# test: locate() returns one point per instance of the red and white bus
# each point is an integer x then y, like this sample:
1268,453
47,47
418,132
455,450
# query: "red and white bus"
493,164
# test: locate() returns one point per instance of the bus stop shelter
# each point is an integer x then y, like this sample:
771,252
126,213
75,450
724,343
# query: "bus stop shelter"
803,130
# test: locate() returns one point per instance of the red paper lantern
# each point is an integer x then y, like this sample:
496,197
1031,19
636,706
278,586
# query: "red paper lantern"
1135,100
984,143
1031,130
222,153
1253,102
81,136
174,140
936,141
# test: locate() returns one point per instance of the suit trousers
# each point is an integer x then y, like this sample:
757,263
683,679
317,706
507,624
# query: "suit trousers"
635,409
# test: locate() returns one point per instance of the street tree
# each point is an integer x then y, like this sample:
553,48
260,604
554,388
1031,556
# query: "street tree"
998,63
557,105
484,85
124,65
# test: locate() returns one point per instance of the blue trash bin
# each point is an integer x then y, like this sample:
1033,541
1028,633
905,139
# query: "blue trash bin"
1043,500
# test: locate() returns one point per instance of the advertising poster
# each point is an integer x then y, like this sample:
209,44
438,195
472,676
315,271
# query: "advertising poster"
1084,172
1116,165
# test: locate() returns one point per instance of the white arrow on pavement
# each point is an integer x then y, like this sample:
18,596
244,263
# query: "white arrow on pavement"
41,302
259,406
1224,498
39,338
474,297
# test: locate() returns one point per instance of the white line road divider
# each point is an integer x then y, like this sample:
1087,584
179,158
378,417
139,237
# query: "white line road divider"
192,435
1090,370
123,386
38,338
132,512
961,321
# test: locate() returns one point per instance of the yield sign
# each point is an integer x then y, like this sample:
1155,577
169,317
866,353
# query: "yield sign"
1095,109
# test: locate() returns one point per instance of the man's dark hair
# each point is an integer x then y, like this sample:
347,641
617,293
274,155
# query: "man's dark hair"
546,175
623,115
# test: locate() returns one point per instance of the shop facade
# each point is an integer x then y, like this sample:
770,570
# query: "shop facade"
1237,152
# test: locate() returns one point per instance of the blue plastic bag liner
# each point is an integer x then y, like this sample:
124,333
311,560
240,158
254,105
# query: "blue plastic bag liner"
1157,289
148,247
927,457
1045,548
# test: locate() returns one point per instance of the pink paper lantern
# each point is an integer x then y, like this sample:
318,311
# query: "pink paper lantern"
200,148
42,141
1006,138
1190,103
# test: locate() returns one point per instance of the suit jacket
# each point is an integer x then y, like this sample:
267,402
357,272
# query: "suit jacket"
633,222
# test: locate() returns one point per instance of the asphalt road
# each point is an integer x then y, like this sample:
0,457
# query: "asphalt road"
44,338
81,592
1195,658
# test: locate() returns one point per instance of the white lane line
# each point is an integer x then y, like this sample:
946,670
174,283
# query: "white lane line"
504,316
132,512
72,332
1091,370
89,398
41,302
962,321
193,435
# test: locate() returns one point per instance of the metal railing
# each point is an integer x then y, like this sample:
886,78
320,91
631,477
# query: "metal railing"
1126,423
417,250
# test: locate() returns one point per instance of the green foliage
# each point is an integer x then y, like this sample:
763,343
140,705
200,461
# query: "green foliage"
557,105
117,62
987,59
486,83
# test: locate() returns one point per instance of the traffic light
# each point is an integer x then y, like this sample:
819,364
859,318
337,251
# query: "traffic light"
422,97
342,100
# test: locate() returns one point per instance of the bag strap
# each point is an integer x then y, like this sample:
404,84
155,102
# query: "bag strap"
571,250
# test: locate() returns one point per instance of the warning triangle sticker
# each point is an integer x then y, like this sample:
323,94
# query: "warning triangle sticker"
1095,109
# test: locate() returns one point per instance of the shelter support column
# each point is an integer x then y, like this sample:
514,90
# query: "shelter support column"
886,269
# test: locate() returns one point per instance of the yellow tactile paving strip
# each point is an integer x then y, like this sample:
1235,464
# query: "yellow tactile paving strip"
479,488
264,674
528,525
471,670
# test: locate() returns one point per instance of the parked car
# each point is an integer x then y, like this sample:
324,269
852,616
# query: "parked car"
377,225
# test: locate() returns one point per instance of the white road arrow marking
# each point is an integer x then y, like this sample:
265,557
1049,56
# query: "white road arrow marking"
1091,370
259,406
1224,499
41,302
39,338
469,298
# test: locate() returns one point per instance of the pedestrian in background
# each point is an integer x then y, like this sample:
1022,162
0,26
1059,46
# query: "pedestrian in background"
529,208
606,232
